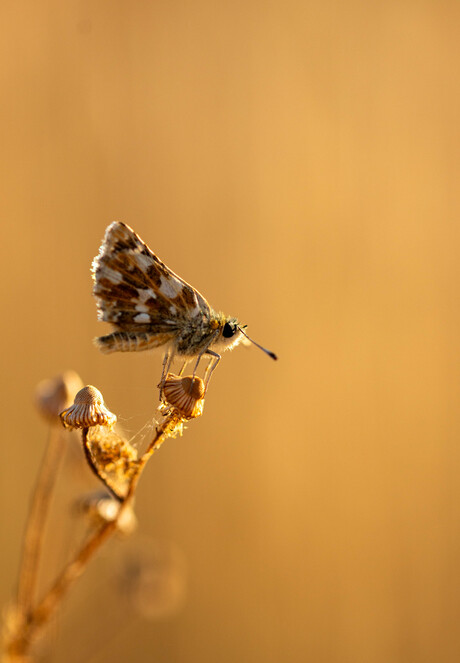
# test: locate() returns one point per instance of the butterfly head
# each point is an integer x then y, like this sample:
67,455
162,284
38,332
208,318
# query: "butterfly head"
232,333
229,334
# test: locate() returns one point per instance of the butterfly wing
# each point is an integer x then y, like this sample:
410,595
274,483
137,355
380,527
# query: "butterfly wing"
136,292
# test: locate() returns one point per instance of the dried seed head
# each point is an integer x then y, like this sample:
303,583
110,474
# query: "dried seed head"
88,410
55,394
186,394
102,508
114,457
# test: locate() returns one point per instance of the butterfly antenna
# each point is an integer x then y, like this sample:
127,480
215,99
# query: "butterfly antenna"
270,354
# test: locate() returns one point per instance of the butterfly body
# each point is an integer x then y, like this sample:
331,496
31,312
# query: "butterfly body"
149,306
187,339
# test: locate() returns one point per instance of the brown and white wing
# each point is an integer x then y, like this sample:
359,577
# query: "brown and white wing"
137,292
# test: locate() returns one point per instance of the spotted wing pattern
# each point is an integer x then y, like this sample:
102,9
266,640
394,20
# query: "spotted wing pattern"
136,292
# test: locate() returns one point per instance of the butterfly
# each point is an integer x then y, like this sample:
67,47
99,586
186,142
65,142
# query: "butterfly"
149,306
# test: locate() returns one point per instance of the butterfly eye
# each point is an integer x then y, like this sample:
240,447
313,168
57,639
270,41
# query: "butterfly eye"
228,331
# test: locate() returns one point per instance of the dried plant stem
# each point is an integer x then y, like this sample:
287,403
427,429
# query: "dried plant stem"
33,537
33,621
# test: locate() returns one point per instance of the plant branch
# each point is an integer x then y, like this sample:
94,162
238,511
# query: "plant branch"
33,621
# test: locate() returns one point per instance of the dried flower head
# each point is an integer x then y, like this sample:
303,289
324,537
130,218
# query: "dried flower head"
88,410
114,458
185,394
55,394
102,508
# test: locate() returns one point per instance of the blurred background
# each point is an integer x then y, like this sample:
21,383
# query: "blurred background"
297,162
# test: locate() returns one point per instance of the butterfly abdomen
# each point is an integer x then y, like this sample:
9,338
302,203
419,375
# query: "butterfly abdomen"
130,341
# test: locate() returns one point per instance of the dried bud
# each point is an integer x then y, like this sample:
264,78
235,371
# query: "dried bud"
88,410
186,394
55,394
102,508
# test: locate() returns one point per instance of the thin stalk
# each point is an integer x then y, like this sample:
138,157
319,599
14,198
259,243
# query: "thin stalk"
33,537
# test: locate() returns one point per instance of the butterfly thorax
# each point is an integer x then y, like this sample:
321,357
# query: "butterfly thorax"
202,332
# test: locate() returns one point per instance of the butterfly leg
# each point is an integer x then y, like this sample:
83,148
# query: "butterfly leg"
197,362
215,359
211,361
167,361
183,367
204,352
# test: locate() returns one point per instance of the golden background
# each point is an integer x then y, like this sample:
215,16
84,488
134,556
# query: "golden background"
297,163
